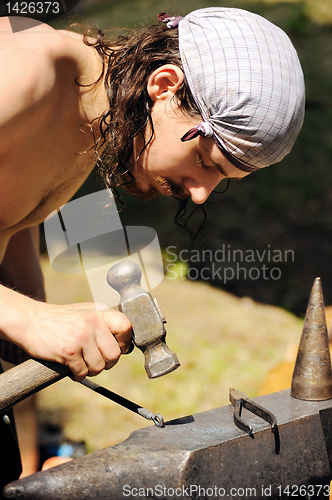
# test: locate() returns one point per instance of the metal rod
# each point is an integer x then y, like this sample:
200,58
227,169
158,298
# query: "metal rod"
157,419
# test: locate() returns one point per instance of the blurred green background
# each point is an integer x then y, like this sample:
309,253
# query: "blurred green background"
285,207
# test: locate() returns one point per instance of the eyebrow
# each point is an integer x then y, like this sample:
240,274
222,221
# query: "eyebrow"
222,171
219,167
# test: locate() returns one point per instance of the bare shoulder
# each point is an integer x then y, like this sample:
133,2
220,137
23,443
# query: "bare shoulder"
71,34
30,62
38,46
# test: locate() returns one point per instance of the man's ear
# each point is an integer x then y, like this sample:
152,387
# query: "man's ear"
164,82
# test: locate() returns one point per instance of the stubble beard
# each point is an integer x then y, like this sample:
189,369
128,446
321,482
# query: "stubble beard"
168,188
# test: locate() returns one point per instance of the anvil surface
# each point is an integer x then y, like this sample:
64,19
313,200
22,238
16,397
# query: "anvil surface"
203,456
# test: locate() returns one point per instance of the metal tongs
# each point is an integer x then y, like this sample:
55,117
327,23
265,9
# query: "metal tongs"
239,400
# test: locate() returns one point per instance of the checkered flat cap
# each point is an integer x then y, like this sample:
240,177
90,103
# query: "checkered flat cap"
247,81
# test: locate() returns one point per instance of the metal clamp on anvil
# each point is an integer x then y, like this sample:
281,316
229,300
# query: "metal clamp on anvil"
239,400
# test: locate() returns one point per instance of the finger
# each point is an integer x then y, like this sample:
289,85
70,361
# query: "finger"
78,368
120,327
94,360
112,362
108,348
131,348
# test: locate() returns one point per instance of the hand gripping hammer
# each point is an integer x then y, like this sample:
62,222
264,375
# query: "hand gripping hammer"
33,375
147,323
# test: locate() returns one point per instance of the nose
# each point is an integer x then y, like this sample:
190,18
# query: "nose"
200,191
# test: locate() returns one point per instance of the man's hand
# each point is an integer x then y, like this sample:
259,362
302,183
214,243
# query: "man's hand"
77,336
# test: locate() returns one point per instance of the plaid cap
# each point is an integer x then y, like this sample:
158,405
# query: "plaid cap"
247,81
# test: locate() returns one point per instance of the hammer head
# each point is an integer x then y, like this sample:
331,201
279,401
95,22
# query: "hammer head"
148,328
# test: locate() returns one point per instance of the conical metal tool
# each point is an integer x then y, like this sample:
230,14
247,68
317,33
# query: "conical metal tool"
312,377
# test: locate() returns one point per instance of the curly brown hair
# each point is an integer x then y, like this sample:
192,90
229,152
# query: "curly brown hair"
127,65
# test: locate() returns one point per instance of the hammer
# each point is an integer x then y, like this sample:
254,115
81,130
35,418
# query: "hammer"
146,318
33,375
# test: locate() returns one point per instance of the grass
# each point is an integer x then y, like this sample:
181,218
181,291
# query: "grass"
221,341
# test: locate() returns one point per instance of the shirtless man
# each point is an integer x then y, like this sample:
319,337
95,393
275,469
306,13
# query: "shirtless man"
47,148
44,125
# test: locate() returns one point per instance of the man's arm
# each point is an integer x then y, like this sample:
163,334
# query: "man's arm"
75,335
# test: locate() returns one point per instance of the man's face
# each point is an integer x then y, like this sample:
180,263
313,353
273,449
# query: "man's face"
173,168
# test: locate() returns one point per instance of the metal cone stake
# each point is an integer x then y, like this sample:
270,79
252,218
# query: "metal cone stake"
312,377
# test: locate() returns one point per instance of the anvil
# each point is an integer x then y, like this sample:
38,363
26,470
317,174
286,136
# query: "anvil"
204,456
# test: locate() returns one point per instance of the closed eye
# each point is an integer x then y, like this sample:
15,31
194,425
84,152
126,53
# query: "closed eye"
201,163
204,166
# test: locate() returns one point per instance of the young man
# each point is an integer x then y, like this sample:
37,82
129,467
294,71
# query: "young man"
217,94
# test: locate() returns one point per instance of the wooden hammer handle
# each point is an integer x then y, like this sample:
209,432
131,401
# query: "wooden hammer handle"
27,378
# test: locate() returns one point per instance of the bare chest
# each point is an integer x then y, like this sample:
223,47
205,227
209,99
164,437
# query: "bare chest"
46,145
42,173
